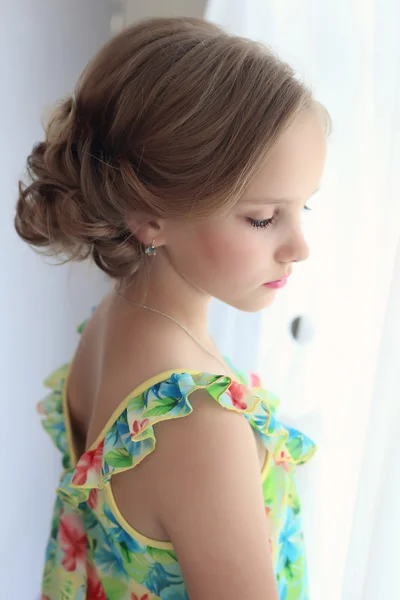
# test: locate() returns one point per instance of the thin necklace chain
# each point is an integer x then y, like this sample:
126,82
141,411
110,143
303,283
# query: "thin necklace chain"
163,314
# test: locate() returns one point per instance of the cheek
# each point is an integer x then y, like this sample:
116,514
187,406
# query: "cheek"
219,249
234,250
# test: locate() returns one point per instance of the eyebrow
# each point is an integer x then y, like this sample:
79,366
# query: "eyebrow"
276,200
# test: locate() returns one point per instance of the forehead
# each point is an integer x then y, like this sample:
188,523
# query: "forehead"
294,168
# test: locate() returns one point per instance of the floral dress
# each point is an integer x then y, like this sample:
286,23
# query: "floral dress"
93,553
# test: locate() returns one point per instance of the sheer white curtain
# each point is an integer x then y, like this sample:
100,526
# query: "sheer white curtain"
342,386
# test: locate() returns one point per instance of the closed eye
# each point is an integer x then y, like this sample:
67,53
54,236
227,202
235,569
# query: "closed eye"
262,223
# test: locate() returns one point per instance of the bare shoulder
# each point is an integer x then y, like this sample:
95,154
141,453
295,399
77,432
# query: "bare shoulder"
211,441
210,427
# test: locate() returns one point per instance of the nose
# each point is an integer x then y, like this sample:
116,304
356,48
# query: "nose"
293,248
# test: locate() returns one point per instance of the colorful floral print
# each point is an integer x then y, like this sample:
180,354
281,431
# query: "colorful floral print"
92,553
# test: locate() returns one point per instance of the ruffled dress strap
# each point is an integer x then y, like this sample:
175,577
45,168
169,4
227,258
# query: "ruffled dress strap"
52,411
129,437
52,408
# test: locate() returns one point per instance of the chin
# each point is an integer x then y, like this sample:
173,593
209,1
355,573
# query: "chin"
254,305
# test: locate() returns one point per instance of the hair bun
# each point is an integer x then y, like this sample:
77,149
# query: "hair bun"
52,213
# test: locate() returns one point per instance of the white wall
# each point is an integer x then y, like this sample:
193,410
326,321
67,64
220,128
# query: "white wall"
163,8
43,47
373,552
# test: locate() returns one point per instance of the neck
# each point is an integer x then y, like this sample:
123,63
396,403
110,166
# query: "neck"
171,293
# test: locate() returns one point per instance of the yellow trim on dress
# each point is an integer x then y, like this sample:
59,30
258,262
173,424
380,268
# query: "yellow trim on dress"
67,422
139,537
267,464
143,387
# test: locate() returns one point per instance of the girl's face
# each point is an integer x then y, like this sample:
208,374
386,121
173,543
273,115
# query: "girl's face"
233,258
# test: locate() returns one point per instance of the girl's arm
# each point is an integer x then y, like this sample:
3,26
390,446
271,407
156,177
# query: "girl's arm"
208,496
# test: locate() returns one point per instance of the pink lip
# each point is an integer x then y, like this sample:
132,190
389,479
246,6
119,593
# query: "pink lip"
276,285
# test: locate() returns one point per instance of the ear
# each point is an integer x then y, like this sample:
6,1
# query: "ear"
147,229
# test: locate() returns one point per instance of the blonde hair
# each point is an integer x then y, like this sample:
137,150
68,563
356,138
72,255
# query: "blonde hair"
171,118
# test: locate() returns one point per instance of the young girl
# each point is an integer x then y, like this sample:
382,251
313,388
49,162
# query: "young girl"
181,166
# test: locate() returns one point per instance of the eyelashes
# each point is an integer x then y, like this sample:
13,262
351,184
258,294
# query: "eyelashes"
261,223
265,223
